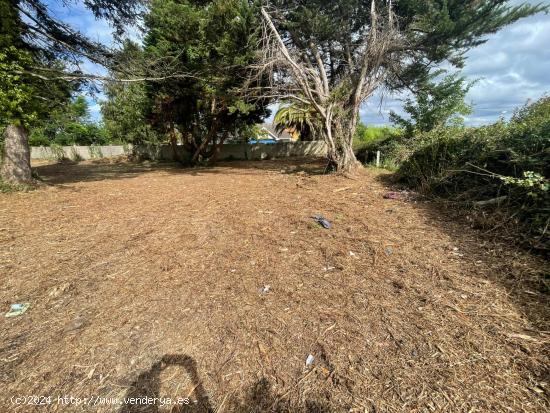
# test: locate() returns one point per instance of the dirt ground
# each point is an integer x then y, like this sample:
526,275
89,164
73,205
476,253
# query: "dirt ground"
146,280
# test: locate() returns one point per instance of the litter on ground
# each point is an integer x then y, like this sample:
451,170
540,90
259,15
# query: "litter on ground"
322,221
392,195
17,310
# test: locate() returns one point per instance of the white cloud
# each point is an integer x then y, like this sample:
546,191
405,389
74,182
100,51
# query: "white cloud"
512,67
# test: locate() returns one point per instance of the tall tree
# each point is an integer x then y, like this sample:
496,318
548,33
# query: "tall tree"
434,103
333,55
127,108
36,50
214,41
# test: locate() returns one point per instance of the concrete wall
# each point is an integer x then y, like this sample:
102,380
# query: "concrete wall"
242,151
79,152
232,151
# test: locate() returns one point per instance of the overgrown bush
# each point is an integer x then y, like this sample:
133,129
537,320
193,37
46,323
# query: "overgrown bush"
503,168
368,139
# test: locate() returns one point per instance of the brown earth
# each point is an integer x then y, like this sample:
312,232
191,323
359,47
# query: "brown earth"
145,280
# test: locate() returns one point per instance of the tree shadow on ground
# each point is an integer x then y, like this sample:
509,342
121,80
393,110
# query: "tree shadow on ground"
64,173
259,398
520,271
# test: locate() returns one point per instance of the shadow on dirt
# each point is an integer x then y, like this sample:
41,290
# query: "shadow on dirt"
521,272
67,173
194,398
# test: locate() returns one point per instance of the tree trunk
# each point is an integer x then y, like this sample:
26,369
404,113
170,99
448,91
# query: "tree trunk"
340,146
16,161
174,143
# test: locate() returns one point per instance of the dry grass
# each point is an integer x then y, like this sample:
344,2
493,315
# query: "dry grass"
144,279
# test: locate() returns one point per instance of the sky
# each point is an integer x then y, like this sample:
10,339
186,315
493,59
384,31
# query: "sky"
511,68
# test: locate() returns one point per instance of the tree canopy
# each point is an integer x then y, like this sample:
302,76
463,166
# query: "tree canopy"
435,103
334,55
209,68
39,57
215,42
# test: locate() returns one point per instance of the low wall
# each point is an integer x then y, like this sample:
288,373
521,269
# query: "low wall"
241,151
79,152
231,151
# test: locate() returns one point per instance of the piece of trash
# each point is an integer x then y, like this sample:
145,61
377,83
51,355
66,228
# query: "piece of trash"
322,221
17,310
265,289
353,254
283,249
389,250
309,361
328,268
392,195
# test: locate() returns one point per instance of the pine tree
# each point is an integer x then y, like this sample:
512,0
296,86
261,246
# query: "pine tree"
333,55
33,45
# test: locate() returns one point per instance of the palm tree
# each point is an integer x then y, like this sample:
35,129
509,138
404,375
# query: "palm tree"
300,118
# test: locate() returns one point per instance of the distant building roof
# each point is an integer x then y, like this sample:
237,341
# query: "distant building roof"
270,128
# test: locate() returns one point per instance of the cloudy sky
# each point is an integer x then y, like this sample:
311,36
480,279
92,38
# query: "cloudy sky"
512,68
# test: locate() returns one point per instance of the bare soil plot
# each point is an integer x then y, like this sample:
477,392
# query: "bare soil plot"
144,280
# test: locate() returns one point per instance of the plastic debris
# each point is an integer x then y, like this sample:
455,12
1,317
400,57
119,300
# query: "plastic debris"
17,310
322,221
389,250
265,289
392,195
309,361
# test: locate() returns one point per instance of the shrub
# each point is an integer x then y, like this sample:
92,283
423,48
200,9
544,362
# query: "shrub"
368,140
508,162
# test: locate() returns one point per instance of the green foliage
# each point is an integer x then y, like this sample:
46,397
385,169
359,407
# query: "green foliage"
68,124
215,41
34,50
444,30
369,139
8,187
299,117
125,113
530,179
17,93
436,103
370,134
431,33
506,159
